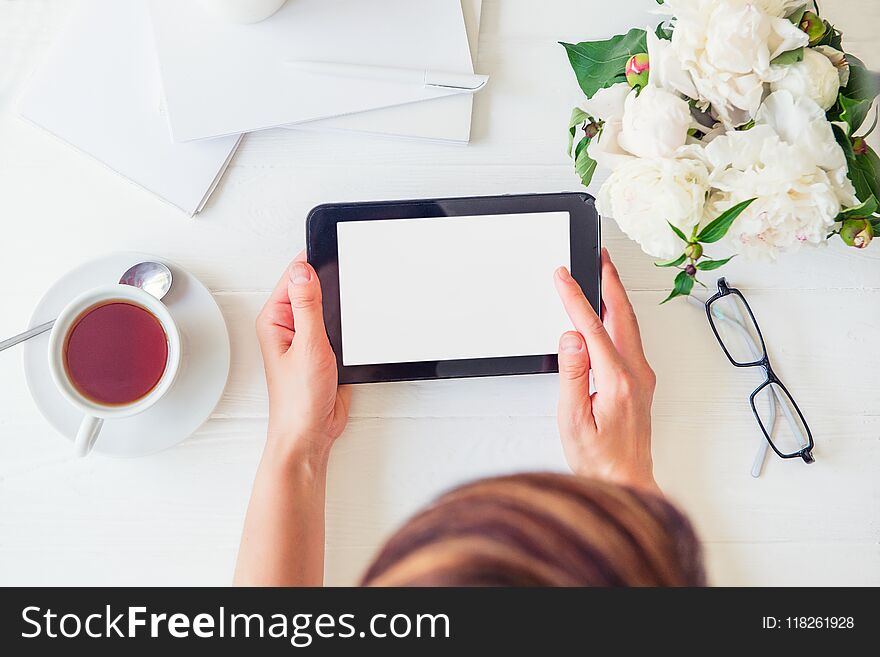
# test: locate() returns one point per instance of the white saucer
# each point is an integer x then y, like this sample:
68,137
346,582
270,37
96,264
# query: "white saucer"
204,365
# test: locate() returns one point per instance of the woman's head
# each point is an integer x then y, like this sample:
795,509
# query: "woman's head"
542,530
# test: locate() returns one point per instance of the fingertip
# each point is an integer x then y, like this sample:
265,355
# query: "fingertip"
300,273
562,274
571,343
574,361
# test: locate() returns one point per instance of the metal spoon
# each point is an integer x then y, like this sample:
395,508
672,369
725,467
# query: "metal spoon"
152,277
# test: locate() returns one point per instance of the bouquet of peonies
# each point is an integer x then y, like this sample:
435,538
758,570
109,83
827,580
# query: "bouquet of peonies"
740,120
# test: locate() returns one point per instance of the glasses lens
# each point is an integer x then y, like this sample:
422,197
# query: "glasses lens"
780,419
736,329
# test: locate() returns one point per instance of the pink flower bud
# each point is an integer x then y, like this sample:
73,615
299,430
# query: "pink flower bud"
637,70
814,27
860,146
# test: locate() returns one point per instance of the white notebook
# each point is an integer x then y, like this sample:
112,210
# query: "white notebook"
221,78
99,90
442,119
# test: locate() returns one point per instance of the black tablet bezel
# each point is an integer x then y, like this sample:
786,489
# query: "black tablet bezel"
322,253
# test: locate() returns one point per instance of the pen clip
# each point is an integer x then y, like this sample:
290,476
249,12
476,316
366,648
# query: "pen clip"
455,82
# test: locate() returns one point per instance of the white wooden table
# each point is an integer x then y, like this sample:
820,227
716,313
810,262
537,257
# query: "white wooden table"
175,518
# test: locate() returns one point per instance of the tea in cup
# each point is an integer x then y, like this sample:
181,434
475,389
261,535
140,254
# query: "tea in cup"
113,353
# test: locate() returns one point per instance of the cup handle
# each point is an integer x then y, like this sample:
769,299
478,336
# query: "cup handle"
87,434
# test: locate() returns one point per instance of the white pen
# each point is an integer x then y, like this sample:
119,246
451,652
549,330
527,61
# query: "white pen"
459,82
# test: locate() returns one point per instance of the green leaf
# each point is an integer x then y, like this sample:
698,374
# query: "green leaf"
677,232
868,132
861,211
853,112
672,263
682,287
864,171
718,228
833,37
709,265
599,64
578,117
584,165
790,57
844,141
863,84
855,100
664,31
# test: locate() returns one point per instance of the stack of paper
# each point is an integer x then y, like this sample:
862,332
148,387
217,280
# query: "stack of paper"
99,90
443,119
162,90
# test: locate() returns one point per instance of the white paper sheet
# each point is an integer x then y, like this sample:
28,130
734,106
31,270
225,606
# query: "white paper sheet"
221,78
441,119
99,90
451,288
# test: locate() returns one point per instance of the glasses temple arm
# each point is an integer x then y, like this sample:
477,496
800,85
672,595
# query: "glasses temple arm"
777,396
737,325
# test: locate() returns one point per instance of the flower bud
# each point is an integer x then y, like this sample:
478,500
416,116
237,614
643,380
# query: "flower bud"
637,70
857,233
694,251
814,27
860,146
690,270
591,129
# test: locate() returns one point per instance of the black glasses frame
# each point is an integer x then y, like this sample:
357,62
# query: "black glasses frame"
806,453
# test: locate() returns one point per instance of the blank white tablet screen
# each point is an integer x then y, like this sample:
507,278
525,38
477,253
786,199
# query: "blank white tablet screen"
451,287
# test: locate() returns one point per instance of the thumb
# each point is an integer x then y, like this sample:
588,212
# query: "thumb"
574,375
304,290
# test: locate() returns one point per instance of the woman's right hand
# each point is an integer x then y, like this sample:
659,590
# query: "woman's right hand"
307,409
607,434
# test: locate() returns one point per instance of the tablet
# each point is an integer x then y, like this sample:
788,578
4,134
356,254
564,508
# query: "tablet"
445,288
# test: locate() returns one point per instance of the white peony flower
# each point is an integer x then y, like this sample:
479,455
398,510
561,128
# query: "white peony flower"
655,123
801,122
605,147
837,58
607,104
643,194
727,47
666,70
797,200
815,77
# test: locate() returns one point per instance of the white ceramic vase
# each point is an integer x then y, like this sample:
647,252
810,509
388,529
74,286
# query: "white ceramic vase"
243,11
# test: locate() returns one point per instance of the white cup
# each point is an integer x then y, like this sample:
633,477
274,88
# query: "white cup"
95,412
243,11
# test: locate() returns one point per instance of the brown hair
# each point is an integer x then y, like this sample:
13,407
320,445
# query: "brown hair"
542,530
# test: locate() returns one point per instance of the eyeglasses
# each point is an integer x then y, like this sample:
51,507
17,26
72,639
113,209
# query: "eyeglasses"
739,335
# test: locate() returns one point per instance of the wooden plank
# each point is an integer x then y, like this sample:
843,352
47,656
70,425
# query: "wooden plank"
692,371
193,497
